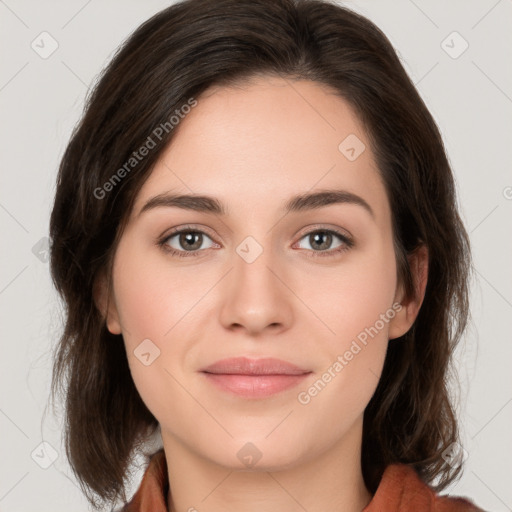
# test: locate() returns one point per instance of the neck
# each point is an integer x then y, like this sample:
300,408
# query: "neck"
331,481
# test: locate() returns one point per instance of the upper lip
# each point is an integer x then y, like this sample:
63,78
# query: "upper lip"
247,366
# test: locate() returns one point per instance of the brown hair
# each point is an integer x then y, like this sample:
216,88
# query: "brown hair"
174,56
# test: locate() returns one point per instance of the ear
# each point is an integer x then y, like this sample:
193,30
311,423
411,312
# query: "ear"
404,319
105,303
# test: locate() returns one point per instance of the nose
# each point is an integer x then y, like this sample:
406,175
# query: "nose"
257,296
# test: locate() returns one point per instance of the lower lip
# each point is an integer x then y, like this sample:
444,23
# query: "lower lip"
254,386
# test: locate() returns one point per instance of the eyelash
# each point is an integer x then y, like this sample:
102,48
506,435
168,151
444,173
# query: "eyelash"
347,243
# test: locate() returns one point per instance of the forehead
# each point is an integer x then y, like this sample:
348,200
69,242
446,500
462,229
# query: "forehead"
266,140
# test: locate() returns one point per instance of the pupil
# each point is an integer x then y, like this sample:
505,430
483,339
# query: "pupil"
318,236
187,240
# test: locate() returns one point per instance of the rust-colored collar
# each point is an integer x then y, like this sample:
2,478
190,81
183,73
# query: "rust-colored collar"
400,490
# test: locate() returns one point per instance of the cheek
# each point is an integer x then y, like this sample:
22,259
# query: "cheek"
356,305
158,302
355,297
152,297
337,395
152,306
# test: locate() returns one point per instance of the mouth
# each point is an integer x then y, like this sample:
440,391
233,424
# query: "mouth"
254,378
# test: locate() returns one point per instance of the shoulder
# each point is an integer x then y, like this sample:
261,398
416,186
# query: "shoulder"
401,489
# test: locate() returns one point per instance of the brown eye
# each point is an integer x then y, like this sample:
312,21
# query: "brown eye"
321,242
190,241
185,241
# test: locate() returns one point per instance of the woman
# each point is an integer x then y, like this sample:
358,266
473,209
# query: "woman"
256,236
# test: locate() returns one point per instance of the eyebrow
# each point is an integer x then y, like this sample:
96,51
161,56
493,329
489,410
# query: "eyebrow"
299,203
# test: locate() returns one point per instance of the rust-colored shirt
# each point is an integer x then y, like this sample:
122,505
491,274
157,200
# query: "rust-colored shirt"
400,490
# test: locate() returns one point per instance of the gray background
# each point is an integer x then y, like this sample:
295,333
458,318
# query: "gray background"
470,96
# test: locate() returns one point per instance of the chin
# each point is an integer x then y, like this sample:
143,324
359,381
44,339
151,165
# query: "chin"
257,453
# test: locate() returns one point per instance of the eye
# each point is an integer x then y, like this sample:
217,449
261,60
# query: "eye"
185,242
320,242
188,241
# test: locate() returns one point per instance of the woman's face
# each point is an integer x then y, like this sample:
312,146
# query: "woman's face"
275,275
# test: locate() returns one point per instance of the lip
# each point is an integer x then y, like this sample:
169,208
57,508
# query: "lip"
248,366
254,378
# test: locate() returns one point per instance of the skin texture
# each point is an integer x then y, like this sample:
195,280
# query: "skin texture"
253,147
